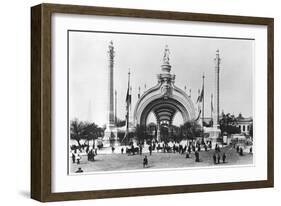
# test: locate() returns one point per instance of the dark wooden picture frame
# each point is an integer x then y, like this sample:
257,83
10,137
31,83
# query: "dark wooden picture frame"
41,117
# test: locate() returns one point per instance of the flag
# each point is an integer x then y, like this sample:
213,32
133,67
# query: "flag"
128,97
139,93
212,107
201,96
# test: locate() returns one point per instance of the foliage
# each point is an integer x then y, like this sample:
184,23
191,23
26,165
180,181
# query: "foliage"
228,124
84,130
140,132
190,130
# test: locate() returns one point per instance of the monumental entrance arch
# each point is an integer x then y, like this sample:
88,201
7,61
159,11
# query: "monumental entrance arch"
164,100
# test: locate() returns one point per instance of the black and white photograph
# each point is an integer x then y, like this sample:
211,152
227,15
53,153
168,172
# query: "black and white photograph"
139,101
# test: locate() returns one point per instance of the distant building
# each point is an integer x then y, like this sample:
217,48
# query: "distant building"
244,124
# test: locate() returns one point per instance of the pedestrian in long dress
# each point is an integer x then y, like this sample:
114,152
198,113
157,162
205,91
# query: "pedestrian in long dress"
78,158
237,149
73,157
196,156
145,161
223,158
150,149
219,158
241,151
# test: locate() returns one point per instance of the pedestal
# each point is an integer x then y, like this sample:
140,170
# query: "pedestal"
214,134
111,137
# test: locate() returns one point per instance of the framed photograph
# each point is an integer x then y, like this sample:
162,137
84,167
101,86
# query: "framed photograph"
130,102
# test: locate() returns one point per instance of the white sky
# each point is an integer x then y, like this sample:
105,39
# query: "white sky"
189,58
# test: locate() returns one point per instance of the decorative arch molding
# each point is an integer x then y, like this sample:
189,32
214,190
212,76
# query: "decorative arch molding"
154,101
164,99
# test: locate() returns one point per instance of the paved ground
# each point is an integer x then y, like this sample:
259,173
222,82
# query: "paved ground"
115,162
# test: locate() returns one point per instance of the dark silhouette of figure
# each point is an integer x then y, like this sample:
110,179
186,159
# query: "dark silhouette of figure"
73,158
237,149
223,158
196,156
78,159
145,161
150,150
189,149
133,149
206,148
79,170
122,150
241,151
219,158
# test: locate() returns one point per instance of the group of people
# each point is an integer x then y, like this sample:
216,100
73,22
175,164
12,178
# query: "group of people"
76,157
217,158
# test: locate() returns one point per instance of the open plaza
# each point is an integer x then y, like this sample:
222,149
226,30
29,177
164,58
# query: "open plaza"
107,160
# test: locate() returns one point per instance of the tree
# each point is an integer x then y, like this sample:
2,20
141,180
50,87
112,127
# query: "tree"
76,130
228,124
140,132
84,130
91,131
190,130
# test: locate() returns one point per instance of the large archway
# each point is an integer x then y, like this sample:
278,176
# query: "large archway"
164,100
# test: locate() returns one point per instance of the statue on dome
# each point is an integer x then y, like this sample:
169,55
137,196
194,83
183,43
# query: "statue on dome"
166,57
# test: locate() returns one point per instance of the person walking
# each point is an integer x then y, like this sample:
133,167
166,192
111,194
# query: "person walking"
196,156
78,158
223,158
241,151
145,161
150,149
73,157
219,158
237,149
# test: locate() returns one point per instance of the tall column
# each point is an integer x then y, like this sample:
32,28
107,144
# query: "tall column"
110,106
217,90
115,106
110,133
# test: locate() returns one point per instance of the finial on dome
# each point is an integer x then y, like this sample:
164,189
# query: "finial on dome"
166,57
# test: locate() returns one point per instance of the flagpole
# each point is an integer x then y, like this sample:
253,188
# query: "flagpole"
212,109
128,109
203,77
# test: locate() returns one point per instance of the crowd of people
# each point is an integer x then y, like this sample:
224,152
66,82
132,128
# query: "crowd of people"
190,149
